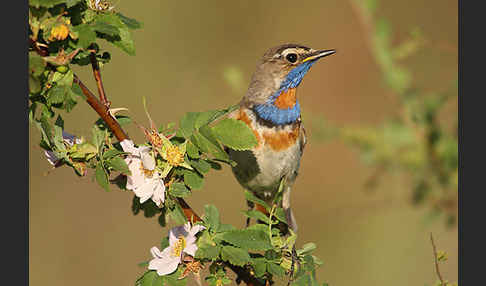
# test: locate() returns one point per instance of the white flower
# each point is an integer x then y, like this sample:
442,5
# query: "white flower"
69,140
145,180
182,239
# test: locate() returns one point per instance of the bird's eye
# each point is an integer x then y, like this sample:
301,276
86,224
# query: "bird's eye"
291,58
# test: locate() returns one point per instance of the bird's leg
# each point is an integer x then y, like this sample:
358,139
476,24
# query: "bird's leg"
251,205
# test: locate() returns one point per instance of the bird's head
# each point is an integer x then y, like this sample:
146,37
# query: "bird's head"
271,93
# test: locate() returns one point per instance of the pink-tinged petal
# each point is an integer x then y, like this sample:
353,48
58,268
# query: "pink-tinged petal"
187,227
177,232
51,157
164,266
191,249
172,237
144,192
190,239
195,229
159,192
127,146
155,252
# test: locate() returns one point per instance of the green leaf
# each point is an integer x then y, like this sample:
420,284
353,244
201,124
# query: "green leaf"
105,28
187,123
148,278
211,217
98,136
259,266
208,251
45,3
129,22
86,35
123,120
179,190
235,134
125,43
257,215
178,215
275,269
306,248
192,150
111,153
102,177
193,180
202,166
36,64
252,198
212,144
247,239
118,164
71,3
280,215
235,256
57,94
203,118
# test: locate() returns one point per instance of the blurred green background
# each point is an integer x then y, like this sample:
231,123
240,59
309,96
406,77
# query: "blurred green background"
195,56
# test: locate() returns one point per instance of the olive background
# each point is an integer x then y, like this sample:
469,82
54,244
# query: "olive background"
199,55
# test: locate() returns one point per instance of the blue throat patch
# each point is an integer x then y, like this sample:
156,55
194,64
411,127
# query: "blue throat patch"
268,111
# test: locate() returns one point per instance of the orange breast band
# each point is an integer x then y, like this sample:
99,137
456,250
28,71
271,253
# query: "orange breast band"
286,99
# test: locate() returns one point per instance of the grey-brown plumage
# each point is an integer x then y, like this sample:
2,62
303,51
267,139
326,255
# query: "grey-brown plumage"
271,109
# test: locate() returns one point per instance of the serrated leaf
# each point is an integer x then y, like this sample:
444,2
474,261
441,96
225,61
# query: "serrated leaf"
57,94
247,239
179,190
193,180
105,28
212,144
202,166
234,255
211,217
234,134
125,42
129,22
203,118
102,177
86,35
208,252
118,164
187,123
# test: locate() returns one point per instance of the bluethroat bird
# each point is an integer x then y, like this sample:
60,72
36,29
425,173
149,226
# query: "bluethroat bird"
271,109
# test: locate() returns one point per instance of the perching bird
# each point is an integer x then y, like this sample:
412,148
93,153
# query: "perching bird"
271,109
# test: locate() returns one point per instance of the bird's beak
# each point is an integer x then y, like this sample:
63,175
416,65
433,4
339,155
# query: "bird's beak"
318,54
